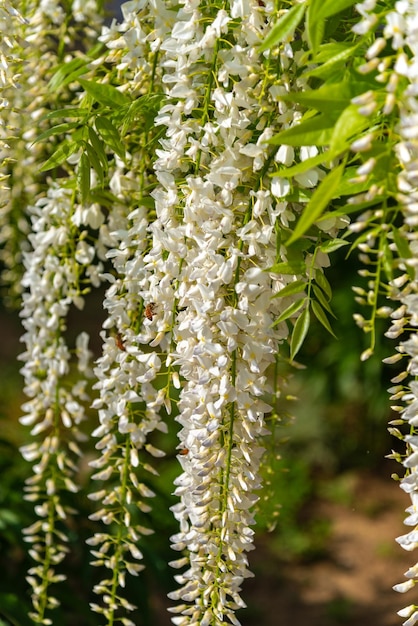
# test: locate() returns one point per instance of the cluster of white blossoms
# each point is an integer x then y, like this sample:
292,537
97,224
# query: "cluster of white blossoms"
394,56
10,22
190,305
130,401
44,29
215,240
60,266
55,269
11,26
403,84
202,288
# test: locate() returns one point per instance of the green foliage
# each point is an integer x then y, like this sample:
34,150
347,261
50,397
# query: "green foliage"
320,199
284,27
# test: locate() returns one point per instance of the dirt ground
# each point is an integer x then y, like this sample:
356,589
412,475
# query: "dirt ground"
352,586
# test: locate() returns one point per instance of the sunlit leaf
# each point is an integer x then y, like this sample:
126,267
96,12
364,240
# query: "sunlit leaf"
350,188
68,72
319,201
284,27
348,124
321,317
402,244
103,197
105,94
329,51
319,294
292,288
320,9
61,154
332,245
303,166
326,69
300,330
291,267
330,96
290,311
99,147
110,135
95,163
322,281
69,112
59,129
83,178
315,131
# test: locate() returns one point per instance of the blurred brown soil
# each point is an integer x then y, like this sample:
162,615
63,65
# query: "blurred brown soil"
352,584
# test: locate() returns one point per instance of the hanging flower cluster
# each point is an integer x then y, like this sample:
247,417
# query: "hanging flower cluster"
208,154
196,282
55,407
60,267
400,80
387,238
50,34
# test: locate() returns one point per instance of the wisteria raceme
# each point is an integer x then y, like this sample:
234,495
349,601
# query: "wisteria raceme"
60,267
11,21
131,402
56,407
402,30
40,28
398,75
214,240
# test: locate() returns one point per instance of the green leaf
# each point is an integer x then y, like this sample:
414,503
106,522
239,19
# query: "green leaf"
404,250
69,112
326,69
103,197
290,311
330,96
348,124
290,267
322,299
289,290
83,178
143,109
387,258
105,94
303,166
59,129
332,245
95,163
319,201
99,148
110,135
321,317
315,131
348,187
330,50
300,330
68,72
320,9
315,28
402,244
323,283
284,27
61,154
347,209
